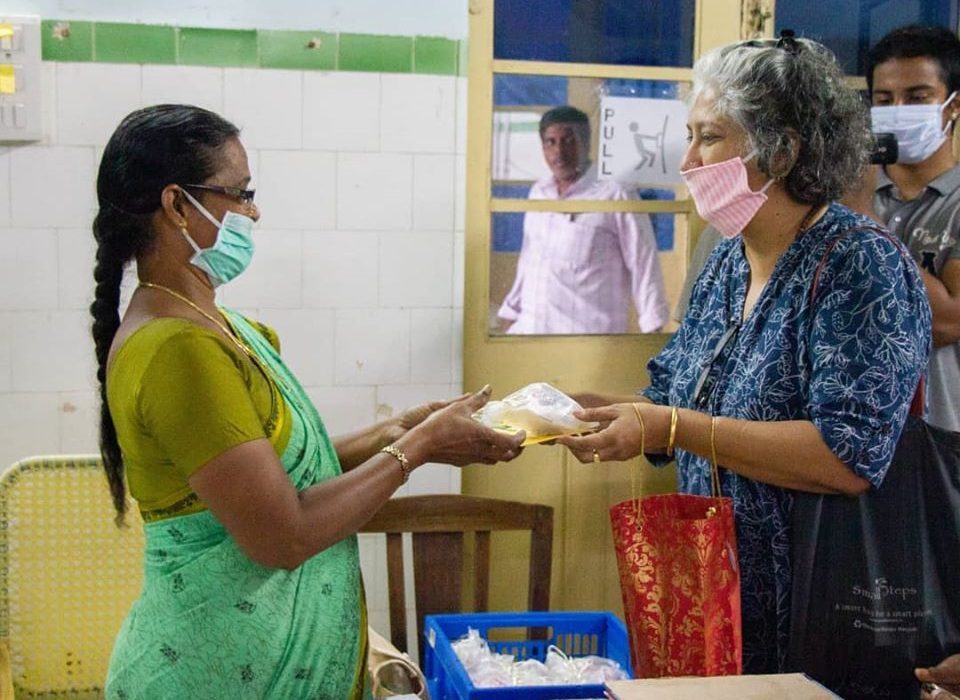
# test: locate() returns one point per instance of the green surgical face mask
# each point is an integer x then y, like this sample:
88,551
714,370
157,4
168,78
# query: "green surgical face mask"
231,253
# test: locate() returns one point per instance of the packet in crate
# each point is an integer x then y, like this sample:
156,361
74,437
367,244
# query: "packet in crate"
490,669
541,410
581,650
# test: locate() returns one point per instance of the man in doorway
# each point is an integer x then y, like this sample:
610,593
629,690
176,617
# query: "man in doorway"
913,77
580,272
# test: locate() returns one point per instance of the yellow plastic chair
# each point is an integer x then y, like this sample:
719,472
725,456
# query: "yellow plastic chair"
68,576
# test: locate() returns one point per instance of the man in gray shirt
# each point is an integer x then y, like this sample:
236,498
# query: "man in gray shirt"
913,77
918,197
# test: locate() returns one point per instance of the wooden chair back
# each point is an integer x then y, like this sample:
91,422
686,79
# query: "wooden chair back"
438,525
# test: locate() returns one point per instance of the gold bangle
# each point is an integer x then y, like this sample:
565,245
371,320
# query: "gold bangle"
713,441
636,409
714,467
397,453
674,419
643,428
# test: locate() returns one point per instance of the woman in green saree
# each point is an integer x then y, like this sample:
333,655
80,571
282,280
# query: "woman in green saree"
252,584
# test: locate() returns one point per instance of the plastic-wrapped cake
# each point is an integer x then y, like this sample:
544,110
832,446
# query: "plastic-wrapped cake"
540,409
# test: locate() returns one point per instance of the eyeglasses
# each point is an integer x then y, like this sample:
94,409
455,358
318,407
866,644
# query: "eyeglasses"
245,196
710,375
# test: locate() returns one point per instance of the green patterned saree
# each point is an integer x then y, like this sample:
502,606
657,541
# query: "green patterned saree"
212,624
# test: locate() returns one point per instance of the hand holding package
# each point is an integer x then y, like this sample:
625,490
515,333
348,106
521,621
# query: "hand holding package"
541,410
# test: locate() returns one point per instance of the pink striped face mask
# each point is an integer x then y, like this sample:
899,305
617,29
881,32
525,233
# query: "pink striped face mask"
722,196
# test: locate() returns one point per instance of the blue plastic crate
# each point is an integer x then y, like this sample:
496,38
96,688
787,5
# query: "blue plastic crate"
574,633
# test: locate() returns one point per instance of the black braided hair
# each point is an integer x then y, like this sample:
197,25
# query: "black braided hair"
152,148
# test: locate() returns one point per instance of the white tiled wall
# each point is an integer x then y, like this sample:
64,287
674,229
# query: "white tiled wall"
163,84
358,264
366,177
341,111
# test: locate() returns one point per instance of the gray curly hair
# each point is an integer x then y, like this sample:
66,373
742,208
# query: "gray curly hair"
769,87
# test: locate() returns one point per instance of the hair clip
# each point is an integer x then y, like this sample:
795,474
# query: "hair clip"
788,42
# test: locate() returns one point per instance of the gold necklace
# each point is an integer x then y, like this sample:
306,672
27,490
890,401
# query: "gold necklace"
273,380
196,307
270,375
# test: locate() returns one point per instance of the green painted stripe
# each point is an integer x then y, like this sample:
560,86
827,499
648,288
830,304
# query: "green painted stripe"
300,50
66,41
134,43
434,55
378,54
219,47
114,42
463,59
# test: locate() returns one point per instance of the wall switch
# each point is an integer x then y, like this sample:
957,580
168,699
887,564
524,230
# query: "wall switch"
20,81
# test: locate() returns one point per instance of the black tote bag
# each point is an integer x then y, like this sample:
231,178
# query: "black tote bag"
876,579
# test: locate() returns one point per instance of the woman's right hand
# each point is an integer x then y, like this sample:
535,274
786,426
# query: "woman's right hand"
451,436
622,435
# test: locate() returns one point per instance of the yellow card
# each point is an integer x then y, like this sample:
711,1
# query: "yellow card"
8,79
535,439
6,31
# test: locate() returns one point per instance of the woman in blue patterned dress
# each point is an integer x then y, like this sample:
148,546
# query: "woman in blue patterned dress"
800,385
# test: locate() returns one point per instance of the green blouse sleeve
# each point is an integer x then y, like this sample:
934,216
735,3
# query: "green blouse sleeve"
194,399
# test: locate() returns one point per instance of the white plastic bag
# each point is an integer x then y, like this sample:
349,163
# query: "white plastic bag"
489,669
541,410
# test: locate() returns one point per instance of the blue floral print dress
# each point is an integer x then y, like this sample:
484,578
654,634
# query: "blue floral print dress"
848,360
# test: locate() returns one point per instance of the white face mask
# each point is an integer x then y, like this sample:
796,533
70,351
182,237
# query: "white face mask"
919,128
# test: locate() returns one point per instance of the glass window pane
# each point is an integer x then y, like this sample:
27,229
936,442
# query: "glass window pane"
643,150
568,283
630,148
643,32
850,27
528,90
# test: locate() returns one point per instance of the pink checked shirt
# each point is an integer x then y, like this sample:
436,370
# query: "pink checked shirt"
578,273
